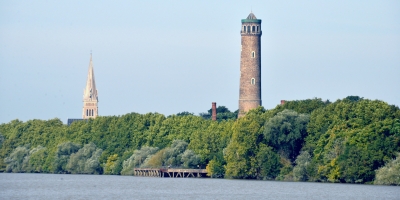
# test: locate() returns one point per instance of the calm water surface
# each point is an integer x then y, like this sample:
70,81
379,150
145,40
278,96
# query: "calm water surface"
62,186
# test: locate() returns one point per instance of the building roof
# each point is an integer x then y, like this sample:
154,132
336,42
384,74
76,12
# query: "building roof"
251,19
70,121
251,16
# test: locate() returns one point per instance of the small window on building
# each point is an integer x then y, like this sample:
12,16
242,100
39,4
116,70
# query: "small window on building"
87,112
248,29
253,29
253,54
244,28
253,81
258,29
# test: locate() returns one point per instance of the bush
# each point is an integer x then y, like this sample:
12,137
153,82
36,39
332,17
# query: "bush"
389,174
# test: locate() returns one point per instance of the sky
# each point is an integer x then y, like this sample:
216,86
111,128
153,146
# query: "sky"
174,56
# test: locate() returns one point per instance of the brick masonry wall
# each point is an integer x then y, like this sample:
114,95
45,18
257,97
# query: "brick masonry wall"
250,68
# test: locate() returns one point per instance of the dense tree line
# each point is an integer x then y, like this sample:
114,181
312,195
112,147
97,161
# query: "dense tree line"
352,140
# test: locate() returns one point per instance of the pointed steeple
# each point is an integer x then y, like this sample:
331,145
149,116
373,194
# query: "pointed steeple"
90,92
90,96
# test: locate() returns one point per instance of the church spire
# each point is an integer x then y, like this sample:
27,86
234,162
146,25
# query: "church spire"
90,97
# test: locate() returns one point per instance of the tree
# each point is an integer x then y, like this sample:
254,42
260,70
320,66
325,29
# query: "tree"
36,160
112,162
303,169
184,113
15,160
267,162
389,174
190,159
173,155
1,140
138,158
223,113
351,138
215,168
240,154
85,161
286,131
62,155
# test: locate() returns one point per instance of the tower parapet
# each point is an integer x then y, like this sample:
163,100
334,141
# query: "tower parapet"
250,65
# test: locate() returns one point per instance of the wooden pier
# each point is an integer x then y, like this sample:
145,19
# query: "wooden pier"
170,172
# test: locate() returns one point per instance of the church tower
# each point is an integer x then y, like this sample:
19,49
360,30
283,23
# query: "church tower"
90,98
250,65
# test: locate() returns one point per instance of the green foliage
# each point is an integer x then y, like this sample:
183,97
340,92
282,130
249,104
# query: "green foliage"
286,171
267,162
1,140
303,106
210,142
223,113
157,160
112,163
138,158
344,141
173,155
184,113
389,174
304,169
190,159
240,154
215,168
85,161
354,98
351,138
15,162
62,155
286,131
37,160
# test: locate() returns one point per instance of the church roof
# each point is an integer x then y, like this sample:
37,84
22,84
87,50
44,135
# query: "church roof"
251,16
90,91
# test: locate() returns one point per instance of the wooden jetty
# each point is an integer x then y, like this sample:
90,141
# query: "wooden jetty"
170,172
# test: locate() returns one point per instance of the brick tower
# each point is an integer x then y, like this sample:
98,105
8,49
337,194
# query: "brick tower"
250,65
90,98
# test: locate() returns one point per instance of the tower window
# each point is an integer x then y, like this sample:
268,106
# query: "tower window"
244,28
248,29
253,54
258,29
87,112
253,29
253,81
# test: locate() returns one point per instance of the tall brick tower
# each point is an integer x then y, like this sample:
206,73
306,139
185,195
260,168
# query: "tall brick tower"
90,98
250,65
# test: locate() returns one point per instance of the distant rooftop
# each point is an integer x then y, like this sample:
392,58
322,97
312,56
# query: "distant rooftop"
69,122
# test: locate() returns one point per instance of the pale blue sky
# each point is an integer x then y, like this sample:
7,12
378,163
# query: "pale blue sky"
173,56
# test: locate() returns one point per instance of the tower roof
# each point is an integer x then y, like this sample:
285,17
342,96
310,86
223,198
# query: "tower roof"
251,19
251,16
90,91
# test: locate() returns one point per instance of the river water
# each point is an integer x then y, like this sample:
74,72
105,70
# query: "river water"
67,186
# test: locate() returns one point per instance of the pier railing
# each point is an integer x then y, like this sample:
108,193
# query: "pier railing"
170,172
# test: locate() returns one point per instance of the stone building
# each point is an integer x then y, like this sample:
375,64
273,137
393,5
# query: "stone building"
90,96
250,65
